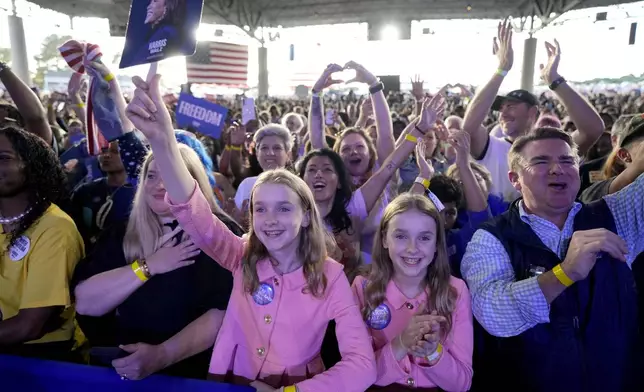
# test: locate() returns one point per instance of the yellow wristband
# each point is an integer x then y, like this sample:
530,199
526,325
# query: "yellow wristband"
109,77
561,276
411,138
139,271
235,148
436,354
290,388
80,105
501,72
425,182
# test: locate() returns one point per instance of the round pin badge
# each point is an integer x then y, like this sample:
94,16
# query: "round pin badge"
20,248
380,317
264,294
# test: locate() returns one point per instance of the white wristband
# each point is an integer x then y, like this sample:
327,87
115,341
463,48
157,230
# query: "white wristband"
439,206
436,354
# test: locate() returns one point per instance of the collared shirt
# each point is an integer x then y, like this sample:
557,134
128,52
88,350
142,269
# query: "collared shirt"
452,372
507,307
275,335
457,239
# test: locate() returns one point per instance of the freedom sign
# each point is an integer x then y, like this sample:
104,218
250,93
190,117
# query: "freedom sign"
206,117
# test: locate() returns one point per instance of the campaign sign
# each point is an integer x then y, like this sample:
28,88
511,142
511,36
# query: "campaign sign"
158,29
207,117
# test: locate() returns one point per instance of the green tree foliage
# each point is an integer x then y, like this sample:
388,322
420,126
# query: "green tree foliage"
5,55
49,58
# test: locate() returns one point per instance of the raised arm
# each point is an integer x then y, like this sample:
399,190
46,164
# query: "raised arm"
474,197
149,114
28,104
373,188
77,104
418,92
316,112
480,106
114,92
588,122
628,176
425,169
385,142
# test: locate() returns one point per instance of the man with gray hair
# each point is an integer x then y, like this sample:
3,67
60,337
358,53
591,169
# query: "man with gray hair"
550,278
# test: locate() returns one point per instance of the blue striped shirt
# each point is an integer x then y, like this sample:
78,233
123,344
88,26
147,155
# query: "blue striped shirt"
507,307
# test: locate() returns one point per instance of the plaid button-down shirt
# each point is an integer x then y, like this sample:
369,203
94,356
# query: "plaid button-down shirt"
507,307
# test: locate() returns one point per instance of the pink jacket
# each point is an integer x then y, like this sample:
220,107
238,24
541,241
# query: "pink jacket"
279,342
453,372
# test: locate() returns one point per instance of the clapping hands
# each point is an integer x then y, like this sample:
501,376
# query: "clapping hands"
550,71
502,45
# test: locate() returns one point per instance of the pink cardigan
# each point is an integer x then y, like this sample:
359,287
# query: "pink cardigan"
453,372
279,342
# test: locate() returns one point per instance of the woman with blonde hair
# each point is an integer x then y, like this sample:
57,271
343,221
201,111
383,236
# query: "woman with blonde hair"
419,316
147,288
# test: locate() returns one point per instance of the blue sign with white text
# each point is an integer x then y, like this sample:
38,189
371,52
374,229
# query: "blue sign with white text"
158,29
206,117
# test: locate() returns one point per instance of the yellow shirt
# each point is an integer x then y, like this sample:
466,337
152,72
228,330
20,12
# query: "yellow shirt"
36,271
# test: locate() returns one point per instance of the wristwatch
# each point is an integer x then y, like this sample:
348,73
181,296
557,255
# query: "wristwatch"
556,83
376,87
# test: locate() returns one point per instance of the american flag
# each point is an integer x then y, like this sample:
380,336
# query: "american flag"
306,78
218,63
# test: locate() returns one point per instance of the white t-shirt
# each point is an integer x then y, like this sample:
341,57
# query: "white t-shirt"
497,132
243,191
357,208
496,161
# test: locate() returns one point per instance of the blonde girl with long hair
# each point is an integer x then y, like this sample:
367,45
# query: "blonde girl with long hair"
286,289
147,288
419,316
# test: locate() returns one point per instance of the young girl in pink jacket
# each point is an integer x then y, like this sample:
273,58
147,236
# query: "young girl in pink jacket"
419,317
285,289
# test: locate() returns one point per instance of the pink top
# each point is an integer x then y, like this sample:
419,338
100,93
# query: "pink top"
279,342
453,372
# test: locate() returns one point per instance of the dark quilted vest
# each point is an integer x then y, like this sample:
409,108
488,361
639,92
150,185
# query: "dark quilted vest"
591,342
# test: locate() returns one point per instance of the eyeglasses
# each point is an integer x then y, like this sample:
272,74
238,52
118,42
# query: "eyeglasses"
545,163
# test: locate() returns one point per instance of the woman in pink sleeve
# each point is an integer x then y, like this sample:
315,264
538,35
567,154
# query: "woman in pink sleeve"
285,288
419,317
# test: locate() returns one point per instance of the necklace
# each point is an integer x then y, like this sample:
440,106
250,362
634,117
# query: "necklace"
14,219
104,211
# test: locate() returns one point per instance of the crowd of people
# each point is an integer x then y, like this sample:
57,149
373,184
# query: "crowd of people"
454,241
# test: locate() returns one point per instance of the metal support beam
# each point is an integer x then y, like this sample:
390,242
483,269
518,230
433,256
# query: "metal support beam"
262,58
19,59
529,57
545,21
